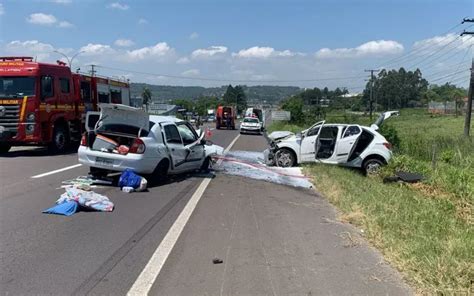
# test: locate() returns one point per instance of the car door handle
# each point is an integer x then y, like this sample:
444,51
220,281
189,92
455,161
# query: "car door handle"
172,149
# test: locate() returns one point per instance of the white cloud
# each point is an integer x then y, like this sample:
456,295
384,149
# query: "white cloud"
124,42
119,6
61,1
450,40
208,52
96,49
264,52
42,19
255,52
142,21
194,35
379,47
183,61
158,50
2,10
191,72
65,24
32,48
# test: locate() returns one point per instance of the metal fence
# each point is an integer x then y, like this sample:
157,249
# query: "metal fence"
448,107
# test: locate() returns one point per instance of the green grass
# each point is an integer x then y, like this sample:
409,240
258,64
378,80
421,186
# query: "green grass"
422,235
426,229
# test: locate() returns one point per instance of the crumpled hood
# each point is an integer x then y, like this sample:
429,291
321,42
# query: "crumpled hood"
280,135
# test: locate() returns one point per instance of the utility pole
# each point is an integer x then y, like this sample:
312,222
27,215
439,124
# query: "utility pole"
372,91
467,122
93,71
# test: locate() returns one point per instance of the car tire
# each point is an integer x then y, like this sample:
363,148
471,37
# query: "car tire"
372,165
161,171
4,148
285,158
60,140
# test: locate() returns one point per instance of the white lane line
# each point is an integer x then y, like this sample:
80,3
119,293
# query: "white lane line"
56,171
147,277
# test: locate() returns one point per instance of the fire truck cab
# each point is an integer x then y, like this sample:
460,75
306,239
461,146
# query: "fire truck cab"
45,104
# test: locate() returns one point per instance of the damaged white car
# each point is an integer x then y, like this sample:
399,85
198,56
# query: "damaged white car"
348,145
120,137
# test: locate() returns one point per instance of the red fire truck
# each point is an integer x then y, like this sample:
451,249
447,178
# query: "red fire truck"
45,104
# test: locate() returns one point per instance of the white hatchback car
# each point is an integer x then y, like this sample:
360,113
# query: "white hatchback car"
250,125
348,145
121,137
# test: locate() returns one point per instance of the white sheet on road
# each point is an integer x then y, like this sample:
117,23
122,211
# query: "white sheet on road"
251,165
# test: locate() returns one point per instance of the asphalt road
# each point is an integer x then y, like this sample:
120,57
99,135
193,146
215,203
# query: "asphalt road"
272,239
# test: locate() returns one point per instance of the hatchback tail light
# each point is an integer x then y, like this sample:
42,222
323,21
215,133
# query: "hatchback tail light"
388,145
137,147
84,140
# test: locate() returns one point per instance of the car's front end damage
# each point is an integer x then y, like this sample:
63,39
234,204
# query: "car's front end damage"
278,140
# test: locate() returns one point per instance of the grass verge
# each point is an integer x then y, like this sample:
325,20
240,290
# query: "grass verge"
422,235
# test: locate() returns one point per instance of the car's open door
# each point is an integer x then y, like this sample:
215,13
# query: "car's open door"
307,146
347,143
384,116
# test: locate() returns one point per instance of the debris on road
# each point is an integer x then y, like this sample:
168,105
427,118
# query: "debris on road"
217,261
130,179
87,180
251,165
74,198
128,189
67,209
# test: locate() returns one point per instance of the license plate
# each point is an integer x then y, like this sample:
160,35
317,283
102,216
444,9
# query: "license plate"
104,161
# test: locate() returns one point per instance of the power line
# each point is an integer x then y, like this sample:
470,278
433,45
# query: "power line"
227,80
415,50
467,51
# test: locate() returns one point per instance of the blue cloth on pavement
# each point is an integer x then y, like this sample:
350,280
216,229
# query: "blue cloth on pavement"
67,208
129,179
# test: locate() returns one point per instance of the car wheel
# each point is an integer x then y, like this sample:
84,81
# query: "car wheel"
285,158
4,148
161,171
60,140
372,166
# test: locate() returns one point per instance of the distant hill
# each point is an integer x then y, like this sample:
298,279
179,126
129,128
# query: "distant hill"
255,94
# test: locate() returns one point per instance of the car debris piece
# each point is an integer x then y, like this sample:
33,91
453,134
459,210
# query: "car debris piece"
217,261
404,177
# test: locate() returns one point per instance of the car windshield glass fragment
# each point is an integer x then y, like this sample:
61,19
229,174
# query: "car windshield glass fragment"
251,120
14,87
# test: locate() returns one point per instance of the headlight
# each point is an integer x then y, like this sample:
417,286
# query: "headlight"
31,117
30,128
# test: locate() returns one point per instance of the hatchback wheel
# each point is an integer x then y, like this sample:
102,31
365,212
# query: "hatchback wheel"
285,158
372,166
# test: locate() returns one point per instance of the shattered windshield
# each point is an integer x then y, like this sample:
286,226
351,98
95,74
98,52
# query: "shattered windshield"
14,87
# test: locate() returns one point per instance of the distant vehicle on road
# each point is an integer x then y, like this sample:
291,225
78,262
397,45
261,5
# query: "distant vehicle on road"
250,125
348,145
258,113
121,137
45,104
225,117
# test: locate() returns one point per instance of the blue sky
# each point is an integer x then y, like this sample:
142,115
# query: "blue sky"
265,42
